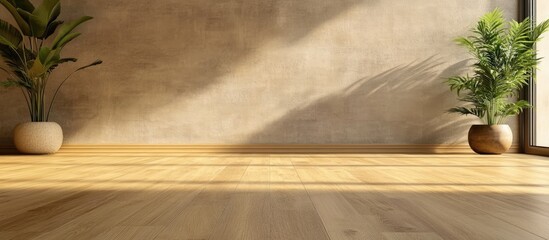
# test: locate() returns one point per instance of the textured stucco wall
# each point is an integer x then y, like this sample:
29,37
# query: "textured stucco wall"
268,71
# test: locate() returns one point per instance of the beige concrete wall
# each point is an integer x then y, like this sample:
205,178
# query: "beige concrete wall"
268,71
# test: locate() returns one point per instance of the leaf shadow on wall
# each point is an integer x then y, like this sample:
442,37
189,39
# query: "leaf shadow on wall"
405,103
157,55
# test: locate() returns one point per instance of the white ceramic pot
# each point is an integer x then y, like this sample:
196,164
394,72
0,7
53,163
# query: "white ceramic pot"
38,137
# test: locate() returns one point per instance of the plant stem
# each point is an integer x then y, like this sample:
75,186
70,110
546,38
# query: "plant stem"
26,99
55,94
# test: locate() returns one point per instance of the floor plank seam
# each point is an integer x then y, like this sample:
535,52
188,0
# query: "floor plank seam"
508,222
233,191
312,202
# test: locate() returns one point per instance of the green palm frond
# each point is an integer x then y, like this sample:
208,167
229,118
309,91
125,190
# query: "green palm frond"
12,6
505,59
9,35
468,111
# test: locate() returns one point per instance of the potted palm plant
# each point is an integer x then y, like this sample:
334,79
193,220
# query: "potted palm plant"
505,60
30,53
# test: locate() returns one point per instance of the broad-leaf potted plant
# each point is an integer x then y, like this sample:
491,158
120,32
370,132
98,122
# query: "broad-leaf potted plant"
31,51
505,60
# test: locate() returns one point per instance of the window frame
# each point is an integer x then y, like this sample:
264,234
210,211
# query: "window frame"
528,9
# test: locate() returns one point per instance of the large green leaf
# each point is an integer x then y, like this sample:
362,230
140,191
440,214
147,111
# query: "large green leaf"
48,9
29,18
42,16
23,4
44,53
51,28
38,69
46,13
66,29
9,35
69,37
52,58
23,25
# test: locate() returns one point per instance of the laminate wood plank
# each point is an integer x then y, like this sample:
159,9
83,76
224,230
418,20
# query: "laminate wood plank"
130,233
492,199
94,222
293,215
340,218
411,236
129,200
530,214
247,216
7,235
378,206
465,217
202,215
183,185
527,220
18,198
272,196
53,215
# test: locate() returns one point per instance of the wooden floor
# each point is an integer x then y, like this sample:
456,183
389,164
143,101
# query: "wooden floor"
274,197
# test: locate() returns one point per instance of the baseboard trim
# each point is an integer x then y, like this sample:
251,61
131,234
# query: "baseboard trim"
263,148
